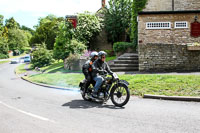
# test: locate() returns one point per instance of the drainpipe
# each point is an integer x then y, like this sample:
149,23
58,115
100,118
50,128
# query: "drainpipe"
172,5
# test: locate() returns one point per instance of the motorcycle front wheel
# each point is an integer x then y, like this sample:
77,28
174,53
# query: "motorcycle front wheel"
120,95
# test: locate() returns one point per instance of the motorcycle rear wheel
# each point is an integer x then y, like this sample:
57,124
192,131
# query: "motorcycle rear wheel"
120,95
84,95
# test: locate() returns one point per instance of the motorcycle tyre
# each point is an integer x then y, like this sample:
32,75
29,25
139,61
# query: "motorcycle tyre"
127,98
84,97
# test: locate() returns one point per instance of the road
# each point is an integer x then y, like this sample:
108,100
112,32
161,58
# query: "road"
28,108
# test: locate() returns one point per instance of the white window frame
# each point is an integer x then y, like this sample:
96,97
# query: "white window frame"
175,25
158,25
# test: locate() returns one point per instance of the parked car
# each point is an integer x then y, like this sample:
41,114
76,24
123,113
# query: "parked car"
15,61
27,59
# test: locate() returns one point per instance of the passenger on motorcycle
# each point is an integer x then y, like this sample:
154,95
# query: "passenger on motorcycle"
87,68
99,68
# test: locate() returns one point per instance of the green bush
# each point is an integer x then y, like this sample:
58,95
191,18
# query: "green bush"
42,57
3,48
3,56
26,50
123,46
110,53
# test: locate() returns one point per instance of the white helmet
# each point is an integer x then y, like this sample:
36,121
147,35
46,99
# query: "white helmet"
102,53
93,54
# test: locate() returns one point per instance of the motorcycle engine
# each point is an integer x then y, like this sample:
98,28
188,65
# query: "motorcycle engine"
101,95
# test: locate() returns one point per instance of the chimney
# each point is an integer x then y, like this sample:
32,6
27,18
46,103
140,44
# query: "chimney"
103,3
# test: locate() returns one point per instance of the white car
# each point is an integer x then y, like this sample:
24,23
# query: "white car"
15,61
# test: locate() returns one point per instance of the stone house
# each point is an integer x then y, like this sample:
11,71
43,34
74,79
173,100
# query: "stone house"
101,41
165,27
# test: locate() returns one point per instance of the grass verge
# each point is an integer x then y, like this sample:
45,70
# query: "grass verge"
20,69
179,85
109,58
2,62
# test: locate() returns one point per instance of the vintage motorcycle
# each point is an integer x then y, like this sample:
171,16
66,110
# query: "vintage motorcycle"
111,87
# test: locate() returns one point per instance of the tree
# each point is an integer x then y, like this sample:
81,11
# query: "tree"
11,23
41,56
3,48
117,19
17,39
88,27
1,23
65,45
27,29
46,31
137,6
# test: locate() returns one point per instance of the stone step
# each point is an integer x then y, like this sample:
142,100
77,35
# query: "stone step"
127,58
124,69
126,61
129,55
124,65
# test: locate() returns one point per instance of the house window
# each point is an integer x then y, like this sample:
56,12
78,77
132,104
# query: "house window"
181,24
158,25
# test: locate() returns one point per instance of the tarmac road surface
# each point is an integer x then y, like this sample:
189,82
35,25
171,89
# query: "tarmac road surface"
28,108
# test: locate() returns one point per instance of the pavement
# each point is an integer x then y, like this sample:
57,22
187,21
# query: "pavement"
26,107
161,73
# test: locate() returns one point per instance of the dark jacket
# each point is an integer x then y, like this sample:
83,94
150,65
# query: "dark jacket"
100,68
87,67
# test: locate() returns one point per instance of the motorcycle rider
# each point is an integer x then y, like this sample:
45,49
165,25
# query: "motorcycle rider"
87,68
99,68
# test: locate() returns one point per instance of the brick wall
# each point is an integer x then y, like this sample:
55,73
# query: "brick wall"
167,57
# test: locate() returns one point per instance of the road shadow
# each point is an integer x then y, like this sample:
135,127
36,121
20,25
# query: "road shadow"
81,104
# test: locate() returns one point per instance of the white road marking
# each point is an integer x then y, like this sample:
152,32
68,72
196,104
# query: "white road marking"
26,113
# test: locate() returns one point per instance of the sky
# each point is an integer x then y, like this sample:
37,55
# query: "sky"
27,12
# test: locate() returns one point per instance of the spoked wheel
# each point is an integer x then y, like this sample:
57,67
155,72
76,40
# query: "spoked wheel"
120,95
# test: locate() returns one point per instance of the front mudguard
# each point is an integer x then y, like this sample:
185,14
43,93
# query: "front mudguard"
121,82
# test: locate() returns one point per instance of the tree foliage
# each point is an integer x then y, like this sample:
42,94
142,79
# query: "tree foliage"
88,27
1,23
137,6
117,19
24,28
46,31
3,48
3,40
12,24
17,39
41,56
65,45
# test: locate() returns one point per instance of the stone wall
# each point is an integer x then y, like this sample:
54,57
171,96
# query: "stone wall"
167,57
101,42
157,5
180,5
166,5
167,36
